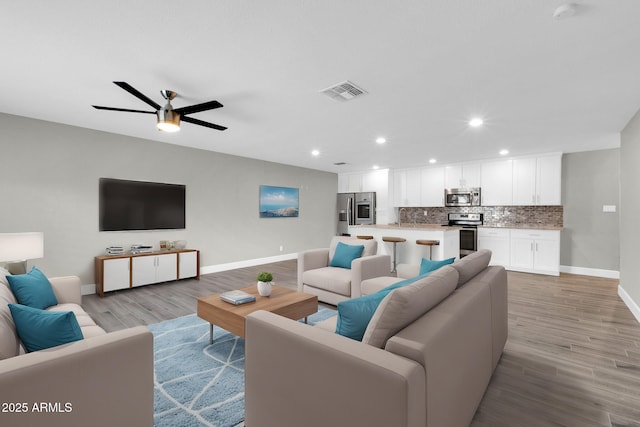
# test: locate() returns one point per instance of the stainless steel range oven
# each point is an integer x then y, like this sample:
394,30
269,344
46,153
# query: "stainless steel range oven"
469,232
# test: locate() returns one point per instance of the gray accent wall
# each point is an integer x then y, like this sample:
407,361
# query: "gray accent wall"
49,182
590,238
630,188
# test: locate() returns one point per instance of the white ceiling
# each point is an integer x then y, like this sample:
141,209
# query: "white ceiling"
540,84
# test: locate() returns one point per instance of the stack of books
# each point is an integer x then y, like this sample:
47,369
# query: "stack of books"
115,250
237,297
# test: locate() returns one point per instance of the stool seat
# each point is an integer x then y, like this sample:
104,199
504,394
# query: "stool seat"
393,239
365,237
428,242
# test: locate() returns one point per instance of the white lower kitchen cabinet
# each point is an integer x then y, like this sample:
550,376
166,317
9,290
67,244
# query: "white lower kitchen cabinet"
154,269
497,240
535,251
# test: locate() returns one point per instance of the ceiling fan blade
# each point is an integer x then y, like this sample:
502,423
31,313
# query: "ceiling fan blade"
202,123
122,109
133,91
197,108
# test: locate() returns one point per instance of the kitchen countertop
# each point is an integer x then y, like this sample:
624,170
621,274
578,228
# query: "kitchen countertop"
445,227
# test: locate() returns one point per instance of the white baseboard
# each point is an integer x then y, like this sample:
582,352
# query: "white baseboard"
633,306
247,263
597,272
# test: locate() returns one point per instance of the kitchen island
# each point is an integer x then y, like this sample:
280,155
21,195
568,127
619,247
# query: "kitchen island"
409,252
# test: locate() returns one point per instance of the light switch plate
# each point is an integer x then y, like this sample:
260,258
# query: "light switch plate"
608,208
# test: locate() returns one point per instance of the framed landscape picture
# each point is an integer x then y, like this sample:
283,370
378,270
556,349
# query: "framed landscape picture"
279,202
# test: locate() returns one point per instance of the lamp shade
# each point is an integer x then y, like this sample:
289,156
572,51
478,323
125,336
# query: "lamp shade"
21,246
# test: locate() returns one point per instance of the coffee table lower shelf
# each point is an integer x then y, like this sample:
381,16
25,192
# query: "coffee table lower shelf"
282,301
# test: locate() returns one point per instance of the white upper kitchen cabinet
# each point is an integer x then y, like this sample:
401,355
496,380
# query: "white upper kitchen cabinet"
496,183
537,180
406,187
462,176
432,187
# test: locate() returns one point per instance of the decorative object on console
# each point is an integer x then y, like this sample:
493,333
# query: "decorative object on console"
179,244
264,283
17,248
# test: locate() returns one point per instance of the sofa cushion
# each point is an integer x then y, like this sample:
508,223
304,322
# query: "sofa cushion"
371,286
344,254
370,246
405,304
87,324
3,276
471,265
427,265
9,341
33,289
41,329
355,314
332,279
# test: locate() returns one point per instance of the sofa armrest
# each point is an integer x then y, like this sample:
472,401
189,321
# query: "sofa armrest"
368,267
326,379
67,289
407,271
100,381
310,260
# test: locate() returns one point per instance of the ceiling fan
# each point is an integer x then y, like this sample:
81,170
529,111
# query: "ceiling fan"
168,117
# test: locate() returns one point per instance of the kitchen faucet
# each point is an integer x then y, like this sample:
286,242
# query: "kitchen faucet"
400,216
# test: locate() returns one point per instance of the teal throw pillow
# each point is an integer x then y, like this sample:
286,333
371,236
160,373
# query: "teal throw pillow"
355,314
344,254
33,289
40,329
427,265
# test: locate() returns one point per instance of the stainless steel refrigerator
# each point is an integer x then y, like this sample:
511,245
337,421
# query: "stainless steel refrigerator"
355,209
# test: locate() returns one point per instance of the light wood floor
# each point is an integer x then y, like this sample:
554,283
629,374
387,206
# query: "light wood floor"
572,357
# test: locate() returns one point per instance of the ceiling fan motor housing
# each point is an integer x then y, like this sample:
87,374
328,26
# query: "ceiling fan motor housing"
167,118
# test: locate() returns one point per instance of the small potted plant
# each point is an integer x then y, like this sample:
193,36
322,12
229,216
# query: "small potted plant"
264,283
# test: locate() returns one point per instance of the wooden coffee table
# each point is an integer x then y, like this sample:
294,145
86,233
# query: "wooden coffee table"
283,301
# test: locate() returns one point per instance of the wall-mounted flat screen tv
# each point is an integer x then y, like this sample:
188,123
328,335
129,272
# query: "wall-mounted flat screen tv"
137,205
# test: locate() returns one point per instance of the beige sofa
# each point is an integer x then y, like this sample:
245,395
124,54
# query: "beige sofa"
335,284
433,371
105,379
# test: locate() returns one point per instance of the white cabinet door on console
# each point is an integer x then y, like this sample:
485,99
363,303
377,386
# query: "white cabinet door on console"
154,269
188,264
115,274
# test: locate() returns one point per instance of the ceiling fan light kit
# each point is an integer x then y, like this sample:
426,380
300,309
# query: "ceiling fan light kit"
168,118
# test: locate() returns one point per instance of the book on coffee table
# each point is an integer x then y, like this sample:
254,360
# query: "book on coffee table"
237,297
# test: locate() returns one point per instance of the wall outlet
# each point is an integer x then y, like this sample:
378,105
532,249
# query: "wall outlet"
281,248
608,208
425,213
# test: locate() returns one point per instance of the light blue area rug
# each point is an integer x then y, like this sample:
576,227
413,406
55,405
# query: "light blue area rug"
197,384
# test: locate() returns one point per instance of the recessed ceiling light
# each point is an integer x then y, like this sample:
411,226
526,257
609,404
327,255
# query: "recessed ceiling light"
565,11
432,161
504,152
476,122
376,167
381,140
315,153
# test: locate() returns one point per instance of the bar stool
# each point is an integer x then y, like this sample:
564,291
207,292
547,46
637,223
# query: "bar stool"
430,243
394,240
365,237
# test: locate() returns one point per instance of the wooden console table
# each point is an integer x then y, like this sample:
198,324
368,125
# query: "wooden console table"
114,272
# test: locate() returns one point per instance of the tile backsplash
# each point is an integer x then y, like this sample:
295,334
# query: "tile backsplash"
499,216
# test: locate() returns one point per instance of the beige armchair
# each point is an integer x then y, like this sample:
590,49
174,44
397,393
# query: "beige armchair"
335,284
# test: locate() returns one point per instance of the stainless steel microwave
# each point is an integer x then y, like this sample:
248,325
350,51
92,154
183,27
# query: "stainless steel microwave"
462,197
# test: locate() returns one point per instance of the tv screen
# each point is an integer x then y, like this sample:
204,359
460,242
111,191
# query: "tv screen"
136,205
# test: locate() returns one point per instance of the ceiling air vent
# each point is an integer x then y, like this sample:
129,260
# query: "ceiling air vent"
344,91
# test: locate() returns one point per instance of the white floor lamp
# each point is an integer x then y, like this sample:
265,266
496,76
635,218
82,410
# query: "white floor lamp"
17,248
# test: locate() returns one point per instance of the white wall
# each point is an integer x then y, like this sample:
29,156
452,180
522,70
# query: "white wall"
629,208
49,182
